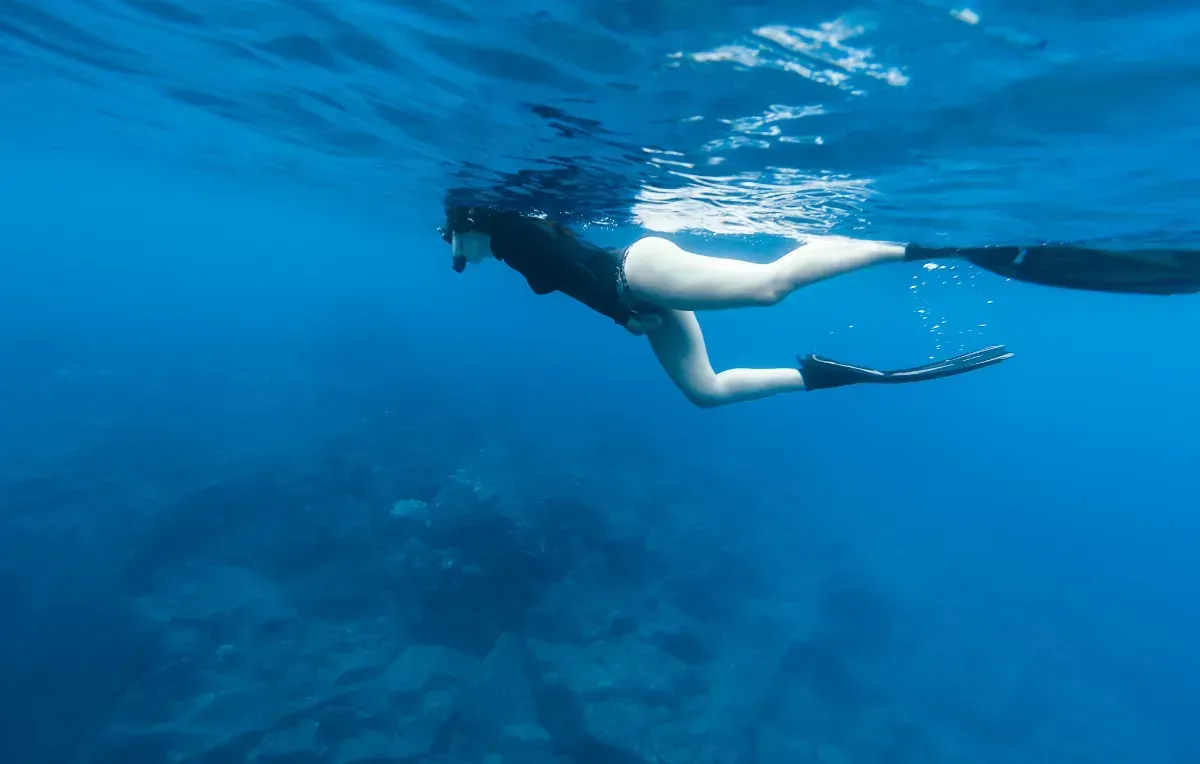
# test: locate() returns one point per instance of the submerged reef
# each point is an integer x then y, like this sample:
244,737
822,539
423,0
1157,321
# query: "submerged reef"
364,592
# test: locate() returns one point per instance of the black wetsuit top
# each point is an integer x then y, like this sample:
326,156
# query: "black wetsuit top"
553,260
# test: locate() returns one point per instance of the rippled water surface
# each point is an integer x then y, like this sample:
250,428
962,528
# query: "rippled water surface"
911,119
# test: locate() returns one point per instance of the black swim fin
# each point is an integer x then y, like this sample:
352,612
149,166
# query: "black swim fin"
823,373
1146,271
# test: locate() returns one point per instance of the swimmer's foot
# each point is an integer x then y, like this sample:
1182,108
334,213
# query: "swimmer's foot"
822,373
1147,271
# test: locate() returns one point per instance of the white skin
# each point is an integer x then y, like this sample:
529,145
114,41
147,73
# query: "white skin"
680,282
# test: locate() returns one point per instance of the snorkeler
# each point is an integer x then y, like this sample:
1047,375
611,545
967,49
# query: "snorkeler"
653,287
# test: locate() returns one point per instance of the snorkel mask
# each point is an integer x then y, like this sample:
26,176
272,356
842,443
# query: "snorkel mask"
460,220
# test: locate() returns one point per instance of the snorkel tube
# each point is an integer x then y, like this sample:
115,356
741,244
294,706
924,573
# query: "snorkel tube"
460,219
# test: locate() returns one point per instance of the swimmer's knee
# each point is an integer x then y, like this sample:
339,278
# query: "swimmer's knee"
771,291
709,396
771,294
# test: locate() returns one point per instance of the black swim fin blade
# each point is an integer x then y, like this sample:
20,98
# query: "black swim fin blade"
1146,271
823,373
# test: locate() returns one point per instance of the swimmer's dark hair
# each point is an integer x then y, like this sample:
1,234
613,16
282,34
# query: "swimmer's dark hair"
464,219
461,218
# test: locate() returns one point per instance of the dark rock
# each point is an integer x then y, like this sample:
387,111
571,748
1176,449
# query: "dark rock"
906,743
822,669
471,572
421,668
500,693
620,626
857,617
709,595
295,742
685,645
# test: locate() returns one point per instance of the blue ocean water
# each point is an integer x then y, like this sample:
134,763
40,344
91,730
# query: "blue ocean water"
277,485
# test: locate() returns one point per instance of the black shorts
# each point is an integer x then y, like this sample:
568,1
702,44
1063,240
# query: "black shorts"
628,300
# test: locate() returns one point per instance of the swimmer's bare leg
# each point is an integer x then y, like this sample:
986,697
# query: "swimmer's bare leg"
660,272
679,345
